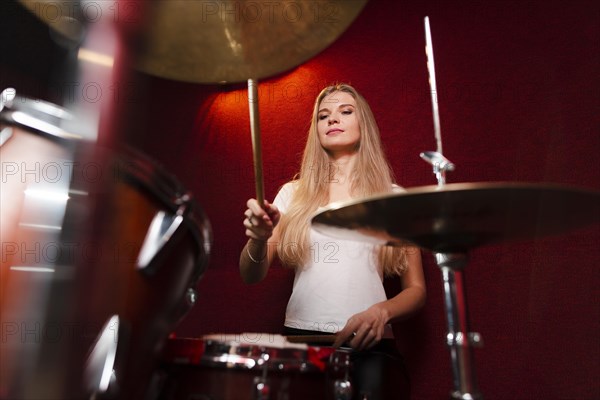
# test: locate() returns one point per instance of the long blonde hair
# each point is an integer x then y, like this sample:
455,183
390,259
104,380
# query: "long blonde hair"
372,174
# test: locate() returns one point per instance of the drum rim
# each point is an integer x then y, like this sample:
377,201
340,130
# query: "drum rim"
36,115
239,355
150,177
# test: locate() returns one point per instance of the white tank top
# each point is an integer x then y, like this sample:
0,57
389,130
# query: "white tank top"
340,280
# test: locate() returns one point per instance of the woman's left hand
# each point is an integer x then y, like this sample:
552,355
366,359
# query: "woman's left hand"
363,330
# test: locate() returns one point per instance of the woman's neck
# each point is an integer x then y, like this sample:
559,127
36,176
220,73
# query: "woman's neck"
342,166
341,177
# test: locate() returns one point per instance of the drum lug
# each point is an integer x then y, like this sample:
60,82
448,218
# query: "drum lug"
261,389
190,297
99,368
161,230
342,389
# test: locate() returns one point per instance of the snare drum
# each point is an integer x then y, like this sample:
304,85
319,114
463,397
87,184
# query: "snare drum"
102,250
253,366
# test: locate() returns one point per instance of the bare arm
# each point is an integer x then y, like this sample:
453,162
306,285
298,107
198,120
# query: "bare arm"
260,250
366,329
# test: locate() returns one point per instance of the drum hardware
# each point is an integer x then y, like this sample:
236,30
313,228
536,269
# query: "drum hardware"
99,368
342,387
451,264
191,296
166,224
462,361
36,115
440,165
261,389
49,112
161,229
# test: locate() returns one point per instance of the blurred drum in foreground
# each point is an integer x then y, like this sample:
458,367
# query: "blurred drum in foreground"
101,251
253,366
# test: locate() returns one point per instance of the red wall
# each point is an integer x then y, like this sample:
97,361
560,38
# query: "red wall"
519,101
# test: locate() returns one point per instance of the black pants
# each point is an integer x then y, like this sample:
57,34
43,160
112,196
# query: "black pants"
378,373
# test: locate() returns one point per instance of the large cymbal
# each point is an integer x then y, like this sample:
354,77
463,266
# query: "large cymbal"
462,216
232,41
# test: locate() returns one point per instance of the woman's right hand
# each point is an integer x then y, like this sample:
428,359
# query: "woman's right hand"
260,221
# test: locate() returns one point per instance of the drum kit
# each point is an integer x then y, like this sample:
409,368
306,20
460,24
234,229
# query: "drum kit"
129,279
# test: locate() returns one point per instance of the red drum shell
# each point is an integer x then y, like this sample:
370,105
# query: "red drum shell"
228,370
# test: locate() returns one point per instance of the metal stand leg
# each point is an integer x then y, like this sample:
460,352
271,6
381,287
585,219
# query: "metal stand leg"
459,339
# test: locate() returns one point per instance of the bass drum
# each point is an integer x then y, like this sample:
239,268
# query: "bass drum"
102,250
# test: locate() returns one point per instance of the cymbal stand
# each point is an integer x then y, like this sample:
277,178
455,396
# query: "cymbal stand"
458,338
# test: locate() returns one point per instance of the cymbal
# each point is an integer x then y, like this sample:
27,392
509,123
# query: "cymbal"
233,41
463,216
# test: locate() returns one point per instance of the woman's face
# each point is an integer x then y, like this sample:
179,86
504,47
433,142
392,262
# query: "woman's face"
337,124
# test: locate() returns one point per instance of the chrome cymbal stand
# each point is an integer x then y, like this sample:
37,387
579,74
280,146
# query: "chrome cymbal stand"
452,265
459,339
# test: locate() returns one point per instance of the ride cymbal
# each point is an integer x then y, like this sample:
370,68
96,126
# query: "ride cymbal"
459,217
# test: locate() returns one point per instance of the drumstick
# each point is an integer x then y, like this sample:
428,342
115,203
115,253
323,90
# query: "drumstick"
256,145
432,84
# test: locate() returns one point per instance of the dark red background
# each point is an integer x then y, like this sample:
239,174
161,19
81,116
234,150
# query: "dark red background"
519,101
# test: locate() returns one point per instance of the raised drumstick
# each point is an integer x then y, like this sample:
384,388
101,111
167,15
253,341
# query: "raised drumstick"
256,144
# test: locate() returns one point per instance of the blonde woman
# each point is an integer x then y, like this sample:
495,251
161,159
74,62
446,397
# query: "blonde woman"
338,285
